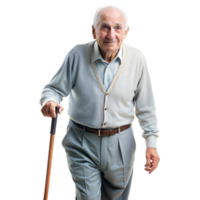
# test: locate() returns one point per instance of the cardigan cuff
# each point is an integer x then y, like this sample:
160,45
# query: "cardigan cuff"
151,141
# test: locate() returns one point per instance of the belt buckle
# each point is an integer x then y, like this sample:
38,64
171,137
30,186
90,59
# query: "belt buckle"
99,132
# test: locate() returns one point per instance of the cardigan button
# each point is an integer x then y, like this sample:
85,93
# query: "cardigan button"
105,109
104,124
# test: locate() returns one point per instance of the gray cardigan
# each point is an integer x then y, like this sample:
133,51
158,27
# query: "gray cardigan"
91,105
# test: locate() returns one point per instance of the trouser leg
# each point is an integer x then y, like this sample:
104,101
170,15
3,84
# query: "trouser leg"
118,171
82,157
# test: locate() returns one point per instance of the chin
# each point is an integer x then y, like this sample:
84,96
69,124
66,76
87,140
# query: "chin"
111,48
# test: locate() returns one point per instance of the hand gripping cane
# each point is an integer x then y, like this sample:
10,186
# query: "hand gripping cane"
53,131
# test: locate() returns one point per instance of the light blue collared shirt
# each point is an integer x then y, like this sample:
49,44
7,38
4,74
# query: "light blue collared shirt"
106,70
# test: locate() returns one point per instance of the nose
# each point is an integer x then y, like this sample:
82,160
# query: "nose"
111,34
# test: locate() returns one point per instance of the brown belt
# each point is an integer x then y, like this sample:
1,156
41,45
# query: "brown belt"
103,132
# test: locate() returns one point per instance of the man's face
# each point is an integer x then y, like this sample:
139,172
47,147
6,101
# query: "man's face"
110,31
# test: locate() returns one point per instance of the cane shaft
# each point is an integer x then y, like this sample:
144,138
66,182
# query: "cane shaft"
49,171
50,158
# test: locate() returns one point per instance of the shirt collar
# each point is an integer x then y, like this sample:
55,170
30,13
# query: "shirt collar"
97,55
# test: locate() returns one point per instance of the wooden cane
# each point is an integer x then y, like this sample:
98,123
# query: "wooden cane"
52,136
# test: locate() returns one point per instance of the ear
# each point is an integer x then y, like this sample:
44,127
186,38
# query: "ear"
93,32
127,33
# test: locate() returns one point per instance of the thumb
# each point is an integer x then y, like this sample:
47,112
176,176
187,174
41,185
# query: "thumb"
60,109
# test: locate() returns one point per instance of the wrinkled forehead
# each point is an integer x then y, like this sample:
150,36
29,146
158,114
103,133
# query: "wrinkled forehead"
111,17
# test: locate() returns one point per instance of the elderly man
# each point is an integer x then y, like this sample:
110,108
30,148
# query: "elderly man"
106,80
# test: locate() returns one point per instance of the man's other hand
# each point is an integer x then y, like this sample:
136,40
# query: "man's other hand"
152,160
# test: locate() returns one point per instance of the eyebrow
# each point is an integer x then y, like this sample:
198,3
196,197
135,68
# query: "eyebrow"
105,23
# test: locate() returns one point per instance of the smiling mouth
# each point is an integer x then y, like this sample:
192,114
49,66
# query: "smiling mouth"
109,42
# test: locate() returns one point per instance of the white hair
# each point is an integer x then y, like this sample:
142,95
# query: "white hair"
97,16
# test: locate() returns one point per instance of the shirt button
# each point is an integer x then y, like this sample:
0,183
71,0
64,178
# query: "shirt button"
105,109
106,94
104,124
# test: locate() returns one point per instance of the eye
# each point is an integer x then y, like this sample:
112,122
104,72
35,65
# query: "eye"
118,27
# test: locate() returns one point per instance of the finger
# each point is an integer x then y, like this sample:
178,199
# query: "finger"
147,160
154,166
52,111
60,110
43,111
48,110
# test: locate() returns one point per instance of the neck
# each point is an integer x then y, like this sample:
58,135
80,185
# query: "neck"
108,57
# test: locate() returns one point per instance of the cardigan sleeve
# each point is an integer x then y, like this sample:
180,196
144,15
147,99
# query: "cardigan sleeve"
145,107
61,83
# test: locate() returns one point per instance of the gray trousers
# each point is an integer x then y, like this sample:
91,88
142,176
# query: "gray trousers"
101,166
